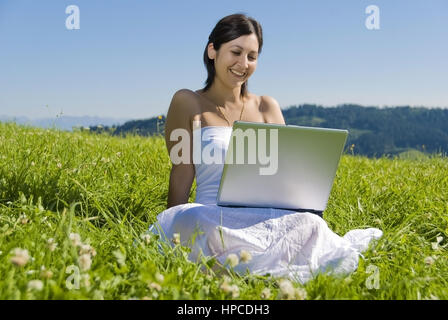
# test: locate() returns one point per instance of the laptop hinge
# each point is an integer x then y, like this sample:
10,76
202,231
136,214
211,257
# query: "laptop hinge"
317,212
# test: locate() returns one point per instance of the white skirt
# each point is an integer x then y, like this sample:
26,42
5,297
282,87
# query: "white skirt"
297,245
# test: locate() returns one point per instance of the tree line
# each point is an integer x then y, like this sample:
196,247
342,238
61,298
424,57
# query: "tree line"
373,131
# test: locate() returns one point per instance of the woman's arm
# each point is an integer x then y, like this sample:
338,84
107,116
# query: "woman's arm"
181,179
182,174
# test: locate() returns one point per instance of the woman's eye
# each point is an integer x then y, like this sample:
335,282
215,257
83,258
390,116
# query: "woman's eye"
237,53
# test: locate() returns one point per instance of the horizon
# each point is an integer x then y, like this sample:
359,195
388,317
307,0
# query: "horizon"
3,116
119,65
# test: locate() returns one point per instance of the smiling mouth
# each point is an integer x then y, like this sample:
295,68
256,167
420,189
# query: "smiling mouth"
238,74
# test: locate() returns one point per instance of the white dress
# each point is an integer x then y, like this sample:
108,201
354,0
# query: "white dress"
297,245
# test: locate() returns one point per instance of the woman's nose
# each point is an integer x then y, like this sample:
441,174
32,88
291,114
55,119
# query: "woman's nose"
243,62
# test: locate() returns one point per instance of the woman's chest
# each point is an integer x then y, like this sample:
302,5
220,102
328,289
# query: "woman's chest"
209,115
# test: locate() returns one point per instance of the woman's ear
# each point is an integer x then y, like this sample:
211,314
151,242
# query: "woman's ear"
211,51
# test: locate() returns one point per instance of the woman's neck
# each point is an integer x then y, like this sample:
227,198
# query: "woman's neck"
224,96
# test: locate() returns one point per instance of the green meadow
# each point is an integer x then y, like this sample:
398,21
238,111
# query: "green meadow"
74,208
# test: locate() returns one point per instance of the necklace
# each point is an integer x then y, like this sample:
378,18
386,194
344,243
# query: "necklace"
241,114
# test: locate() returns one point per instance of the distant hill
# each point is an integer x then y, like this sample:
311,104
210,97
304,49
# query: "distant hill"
373,132
379,131
146,127
64,122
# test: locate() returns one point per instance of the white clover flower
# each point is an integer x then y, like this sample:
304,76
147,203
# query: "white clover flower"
23,219
154,285
59,165
37,285
46,274
20,257
87,249
225,286
85,280
51,244
180,272
232,260
429,260
378,221
235,291
85,262
245,256
75,238
266,293
435,245
287,290
146,238
159,277
300,294
176,238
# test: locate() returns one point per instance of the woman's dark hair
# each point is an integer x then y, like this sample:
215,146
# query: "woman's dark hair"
228,29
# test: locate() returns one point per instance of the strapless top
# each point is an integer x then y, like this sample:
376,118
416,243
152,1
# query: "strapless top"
210,145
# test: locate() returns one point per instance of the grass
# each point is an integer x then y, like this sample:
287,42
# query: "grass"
55,184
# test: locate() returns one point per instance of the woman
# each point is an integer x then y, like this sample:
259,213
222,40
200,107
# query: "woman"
274,241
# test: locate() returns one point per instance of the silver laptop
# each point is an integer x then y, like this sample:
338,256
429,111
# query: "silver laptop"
280,166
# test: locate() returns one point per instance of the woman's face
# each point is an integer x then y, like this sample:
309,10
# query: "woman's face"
238,56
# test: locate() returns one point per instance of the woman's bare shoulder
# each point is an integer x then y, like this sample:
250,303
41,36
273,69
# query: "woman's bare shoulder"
184,103
271,110
267,102
186,97
182,109
253,97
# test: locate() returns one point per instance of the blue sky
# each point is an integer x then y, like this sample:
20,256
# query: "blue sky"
129,57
